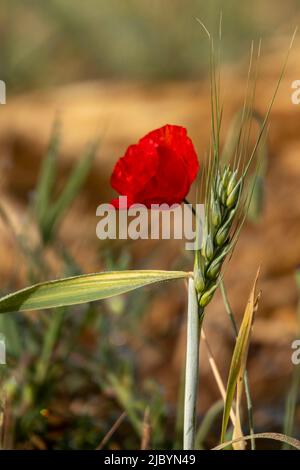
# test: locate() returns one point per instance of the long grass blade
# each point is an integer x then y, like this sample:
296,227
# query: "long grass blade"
246,380
239,357
47,176
264,435
216,373
81,289
207,424
69,193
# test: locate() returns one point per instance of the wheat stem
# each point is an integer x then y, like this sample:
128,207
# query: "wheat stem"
194,322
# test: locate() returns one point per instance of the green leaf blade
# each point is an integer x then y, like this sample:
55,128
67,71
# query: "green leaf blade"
82,289
239,357
74,184
47,176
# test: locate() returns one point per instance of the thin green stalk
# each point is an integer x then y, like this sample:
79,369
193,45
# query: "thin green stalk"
246,379
228,308
49,343
124,398
194,322
207,423
290,406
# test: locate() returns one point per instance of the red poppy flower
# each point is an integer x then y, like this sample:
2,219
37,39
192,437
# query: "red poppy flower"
159,169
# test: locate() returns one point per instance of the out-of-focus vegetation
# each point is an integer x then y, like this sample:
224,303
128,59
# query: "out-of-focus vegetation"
57,41
72,372
78,354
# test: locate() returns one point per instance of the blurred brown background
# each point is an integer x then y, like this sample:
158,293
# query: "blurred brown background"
116,70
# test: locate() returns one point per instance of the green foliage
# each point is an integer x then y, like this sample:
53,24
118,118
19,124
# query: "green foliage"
48,212
81,289
238,365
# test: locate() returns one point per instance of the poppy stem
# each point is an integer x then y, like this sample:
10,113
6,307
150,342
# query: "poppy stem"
194,323
190,206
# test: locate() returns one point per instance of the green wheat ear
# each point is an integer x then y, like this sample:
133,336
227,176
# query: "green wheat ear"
227,191
224,184
222,205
